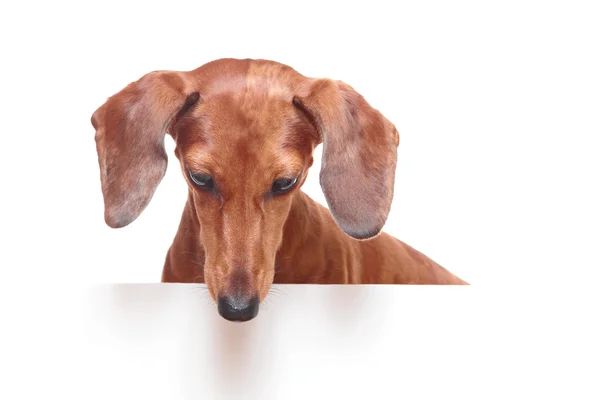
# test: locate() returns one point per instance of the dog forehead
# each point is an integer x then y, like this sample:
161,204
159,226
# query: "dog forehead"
224,119
246,114
227,133
255,112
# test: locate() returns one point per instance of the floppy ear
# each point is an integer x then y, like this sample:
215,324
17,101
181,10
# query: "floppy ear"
130,131
359,156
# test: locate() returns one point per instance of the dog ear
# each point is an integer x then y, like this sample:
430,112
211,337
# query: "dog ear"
359,155
130,131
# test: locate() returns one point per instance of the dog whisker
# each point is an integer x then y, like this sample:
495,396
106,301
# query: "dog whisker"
200,287
202,293
283,293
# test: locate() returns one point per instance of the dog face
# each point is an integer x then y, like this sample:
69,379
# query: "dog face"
244,153
245,131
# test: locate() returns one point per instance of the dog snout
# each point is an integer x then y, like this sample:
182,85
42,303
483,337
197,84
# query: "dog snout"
238,308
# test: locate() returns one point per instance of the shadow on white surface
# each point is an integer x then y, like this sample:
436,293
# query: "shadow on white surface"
306,336
239,359
310,341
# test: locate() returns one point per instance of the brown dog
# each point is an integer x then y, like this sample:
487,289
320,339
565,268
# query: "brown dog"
245,131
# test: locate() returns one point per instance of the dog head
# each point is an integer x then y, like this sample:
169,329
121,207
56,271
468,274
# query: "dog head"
245,131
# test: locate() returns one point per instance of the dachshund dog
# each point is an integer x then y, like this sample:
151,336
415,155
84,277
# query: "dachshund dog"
245,131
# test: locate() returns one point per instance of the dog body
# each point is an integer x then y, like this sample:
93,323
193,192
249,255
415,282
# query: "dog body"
245,131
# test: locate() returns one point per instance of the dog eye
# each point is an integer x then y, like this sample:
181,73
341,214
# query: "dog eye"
205,182
283,185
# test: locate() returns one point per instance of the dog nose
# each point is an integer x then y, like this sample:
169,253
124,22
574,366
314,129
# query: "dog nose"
238,309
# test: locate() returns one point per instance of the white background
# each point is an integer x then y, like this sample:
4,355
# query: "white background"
497,106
